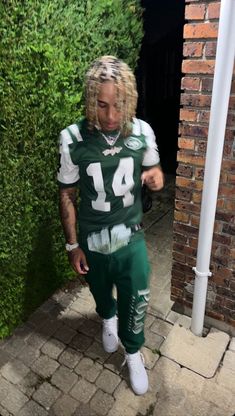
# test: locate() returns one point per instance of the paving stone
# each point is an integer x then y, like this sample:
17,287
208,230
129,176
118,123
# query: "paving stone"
102,402
4,387
120,409
152,340
83,306
14,371
44,366
14,345
64,406
4,412
90,328
46,395
149,357
216,411
64,379
84,410
70,357
88,369
190,381
161,327
114,362
4,358
108,381
32,409
172,317
96,352
53,348
229,360
28,355
65,334
232,344
38,318
164,372
14,400
149,320
83,391
199,354
30,383
71,318
36,340
81,342
217,394
226,378
50,327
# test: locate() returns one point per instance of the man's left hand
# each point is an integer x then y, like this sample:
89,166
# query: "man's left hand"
153,178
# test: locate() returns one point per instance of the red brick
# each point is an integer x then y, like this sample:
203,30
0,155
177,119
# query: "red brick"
190,158
199,173
228,165
200,30
188,115
198,66
196,100
186,143
184,206
229,205
213,11
194,130
195,220
215,315
227,191
195,12
201,146
206,84
184,170
203,116
233,87
210,49
193,49
183,194
190,83
197,197
181,217
232,103
180,238
188,183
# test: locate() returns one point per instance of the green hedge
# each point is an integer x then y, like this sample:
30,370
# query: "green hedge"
46,49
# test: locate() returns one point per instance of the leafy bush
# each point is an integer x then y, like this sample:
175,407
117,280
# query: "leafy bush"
46,49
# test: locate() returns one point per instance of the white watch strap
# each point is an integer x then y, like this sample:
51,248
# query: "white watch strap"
70,247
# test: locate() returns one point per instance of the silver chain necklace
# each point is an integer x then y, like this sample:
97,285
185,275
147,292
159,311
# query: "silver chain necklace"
111,140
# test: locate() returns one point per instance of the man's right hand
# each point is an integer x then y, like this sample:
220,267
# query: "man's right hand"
78,261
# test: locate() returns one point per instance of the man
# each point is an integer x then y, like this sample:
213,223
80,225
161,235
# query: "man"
109,155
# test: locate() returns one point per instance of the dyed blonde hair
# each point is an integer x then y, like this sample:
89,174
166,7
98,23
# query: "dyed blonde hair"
110,68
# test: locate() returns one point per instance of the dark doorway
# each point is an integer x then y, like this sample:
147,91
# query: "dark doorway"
159,74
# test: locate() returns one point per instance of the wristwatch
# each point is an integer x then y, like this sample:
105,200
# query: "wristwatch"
70,247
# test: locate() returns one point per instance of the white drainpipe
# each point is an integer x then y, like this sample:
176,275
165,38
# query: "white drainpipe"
219,108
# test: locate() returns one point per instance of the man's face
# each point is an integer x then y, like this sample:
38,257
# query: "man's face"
109,115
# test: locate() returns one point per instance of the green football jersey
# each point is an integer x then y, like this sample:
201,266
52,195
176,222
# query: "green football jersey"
108,176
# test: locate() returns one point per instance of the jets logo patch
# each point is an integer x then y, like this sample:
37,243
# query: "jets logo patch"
133,143
112,151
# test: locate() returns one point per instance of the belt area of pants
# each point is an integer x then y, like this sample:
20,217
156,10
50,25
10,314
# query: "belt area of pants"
135,227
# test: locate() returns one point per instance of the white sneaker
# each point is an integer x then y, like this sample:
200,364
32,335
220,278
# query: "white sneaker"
109,335
138,375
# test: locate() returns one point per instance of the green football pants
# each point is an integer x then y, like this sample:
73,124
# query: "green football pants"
128,269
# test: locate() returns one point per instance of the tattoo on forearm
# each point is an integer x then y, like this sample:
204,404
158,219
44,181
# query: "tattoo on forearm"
68,213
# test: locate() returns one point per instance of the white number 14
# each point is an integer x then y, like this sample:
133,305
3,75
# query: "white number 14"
122,183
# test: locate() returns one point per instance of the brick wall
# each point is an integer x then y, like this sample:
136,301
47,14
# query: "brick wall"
200,34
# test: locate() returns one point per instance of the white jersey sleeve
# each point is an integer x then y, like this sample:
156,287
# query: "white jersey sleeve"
68,173
151,155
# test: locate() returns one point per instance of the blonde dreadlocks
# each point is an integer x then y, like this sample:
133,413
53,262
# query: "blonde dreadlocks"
110,68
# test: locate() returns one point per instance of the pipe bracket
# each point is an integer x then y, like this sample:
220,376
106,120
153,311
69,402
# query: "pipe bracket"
202,274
